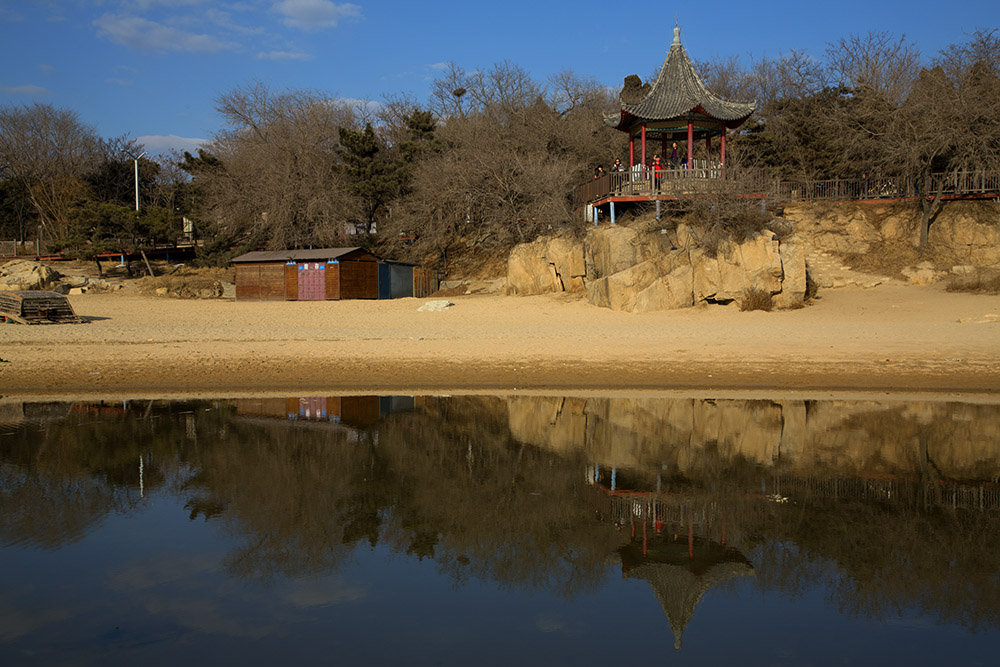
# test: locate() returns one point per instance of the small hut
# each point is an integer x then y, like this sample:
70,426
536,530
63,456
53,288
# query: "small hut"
307,275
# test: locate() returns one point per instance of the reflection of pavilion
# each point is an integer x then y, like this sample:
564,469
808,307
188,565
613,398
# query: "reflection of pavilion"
680,572
679,567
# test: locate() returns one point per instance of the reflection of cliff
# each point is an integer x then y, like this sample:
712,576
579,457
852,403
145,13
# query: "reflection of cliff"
455,480
960,441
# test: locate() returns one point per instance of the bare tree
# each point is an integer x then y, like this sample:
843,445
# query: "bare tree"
272,179
49,151
957,59
876,60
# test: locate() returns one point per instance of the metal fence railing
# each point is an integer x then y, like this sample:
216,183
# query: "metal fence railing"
715,179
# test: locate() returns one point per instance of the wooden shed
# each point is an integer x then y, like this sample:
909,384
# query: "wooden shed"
307,275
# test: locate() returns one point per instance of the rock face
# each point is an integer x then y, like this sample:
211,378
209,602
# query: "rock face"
546,265
969,229
737,267
634,272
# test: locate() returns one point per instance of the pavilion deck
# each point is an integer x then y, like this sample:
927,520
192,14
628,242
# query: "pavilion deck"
671,184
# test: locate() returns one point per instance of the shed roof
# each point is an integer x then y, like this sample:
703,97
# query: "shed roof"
678,91
311,255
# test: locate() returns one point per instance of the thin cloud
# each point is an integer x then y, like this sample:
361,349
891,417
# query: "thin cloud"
29,90
144,35
44,67
155,143
439,66
312,15
283,55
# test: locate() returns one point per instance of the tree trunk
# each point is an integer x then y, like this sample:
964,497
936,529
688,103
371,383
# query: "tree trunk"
929,210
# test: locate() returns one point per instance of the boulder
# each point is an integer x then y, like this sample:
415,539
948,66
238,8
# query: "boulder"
546,265
664,281
670,292
612,249
736,267
922,274
435,306
529,271
567,259
793,267
20,274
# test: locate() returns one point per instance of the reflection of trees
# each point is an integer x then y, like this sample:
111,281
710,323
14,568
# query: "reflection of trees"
450,481
65,466
501,510
890,557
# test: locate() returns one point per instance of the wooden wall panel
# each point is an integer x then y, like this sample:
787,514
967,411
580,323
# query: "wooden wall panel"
272,282
291,282
333,281
358,280
247,282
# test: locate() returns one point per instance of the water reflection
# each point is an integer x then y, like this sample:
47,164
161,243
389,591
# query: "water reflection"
888,505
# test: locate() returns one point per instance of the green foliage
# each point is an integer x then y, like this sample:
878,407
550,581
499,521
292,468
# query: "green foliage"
100,227
371,177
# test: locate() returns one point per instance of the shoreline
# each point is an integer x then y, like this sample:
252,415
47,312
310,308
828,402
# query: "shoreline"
895,339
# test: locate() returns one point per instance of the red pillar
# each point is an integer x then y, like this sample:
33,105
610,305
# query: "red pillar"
690,143
631,151
722,147
690,536
643,145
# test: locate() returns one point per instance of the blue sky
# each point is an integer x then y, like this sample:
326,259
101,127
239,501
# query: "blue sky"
154,68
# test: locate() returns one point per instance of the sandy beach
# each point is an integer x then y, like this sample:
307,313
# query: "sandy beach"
894,338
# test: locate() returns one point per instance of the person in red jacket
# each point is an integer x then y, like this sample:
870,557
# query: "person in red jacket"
657,168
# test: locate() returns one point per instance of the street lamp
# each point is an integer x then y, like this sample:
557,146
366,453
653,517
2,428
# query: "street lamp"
137,180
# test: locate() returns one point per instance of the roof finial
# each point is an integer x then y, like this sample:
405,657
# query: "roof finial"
677,32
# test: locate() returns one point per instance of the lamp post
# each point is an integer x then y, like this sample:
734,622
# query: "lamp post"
137,180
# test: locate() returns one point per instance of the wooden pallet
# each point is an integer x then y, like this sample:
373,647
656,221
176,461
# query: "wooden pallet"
37,307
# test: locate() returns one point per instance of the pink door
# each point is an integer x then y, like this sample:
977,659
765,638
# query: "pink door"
312,281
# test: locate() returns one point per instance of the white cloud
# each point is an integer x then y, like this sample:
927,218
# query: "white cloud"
145,35
315,14
283,55
439,66
30,90
46,68
155,143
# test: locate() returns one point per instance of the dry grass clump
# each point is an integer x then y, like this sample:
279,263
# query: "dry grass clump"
982,282
756,299
186,282
889,258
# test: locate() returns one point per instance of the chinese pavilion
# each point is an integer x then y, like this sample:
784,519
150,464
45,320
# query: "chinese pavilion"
679,107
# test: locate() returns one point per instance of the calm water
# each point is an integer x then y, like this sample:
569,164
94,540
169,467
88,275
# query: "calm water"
499,531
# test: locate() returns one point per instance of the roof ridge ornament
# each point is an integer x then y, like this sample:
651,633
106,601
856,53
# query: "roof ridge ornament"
677,35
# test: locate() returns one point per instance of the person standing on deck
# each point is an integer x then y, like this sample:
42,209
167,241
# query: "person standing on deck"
657,167
674,162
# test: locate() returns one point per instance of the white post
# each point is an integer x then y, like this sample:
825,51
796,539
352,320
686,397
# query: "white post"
137,181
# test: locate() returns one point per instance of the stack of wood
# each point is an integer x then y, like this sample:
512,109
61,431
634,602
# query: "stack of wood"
37,307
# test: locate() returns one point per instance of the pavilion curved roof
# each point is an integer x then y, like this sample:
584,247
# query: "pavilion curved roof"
678,91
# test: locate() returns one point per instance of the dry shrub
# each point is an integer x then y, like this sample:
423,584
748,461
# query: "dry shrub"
186,282
717,220
756,299
889,258
982,282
